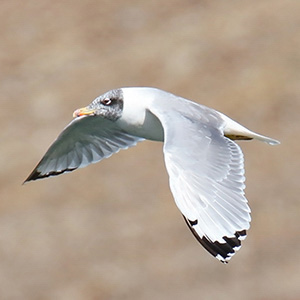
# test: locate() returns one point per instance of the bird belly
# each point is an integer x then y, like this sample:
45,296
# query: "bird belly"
149,127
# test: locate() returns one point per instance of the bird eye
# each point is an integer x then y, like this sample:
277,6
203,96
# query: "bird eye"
106,101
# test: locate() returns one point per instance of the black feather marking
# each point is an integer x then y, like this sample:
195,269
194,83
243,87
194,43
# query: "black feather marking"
241,234
225,250
37,175
233,242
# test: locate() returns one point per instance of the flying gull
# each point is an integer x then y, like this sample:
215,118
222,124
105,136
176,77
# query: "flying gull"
205,165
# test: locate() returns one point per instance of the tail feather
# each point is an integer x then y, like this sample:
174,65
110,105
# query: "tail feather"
265,139
235,131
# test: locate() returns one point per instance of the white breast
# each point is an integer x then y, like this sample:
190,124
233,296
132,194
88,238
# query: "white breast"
136,117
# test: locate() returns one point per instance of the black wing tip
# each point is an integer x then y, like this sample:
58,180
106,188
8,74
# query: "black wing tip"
35,175
222,251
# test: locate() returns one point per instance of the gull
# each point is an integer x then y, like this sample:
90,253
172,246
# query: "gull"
205,165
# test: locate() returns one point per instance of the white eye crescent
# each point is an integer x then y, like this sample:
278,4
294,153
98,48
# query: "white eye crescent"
106,101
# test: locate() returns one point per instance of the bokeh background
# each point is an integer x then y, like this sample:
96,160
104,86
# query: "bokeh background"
112,230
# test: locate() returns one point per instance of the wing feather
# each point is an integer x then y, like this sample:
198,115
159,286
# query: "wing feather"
206,174
84,141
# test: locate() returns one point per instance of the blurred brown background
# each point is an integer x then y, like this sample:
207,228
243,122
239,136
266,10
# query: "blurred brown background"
112,230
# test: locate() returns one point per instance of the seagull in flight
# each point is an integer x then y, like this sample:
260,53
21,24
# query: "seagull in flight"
205,165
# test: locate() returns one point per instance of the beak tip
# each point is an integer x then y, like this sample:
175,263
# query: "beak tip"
76,113
85,111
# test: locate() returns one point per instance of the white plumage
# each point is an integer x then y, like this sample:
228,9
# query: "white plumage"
204,164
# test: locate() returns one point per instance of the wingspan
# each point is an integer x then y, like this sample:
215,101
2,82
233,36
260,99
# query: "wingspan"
206,178
84,141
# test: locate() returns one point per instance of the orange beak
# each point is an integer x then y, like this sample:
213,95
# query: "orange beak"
85,111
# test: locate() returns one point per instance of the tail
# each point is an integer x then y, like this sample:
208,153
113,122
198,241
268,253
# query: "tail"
264,139
235,131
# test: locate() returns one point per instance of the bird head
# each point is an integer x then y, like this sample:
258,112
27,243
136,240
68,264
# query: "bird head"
108,105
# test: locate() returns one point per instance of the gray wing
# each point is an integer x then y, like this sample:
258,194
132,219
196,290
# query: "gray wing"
84,141
206,176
